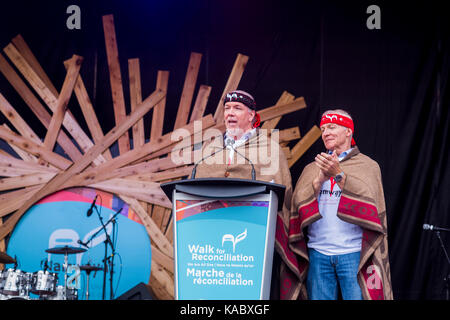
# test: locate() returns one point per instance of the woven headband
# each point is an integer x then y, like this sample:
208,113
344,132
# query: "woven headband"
340,120
235,96
239,96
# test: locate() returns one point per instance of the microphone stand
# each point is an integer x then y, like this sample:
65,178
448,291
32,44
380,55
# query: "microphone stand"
447,278
106,258
194,170
251,163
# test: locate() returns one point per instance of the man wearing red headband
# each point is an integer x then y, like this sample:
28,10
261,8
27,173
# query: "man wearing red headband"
335,237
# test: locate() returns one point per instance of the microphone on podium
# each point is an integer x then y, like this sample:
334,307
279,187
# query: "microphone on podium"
229,142
194,170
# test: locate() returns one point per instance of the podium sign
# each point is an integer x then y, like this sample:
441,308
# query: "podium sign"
223,246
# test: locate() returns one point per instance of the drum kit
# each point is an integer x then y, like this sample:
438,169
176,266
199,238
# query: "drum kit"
16,284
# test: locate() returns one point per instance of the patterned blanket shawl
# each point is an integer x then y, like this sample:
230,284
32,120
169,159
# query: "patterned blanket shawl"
362,203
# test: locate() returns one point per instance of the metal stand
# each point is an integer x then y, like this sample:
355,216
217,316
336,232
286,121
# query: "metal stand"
87,284
66,265
447,278
107,259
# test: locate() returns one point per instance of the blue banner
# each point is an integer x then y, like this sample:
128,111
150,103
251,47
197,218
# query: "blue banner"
220,249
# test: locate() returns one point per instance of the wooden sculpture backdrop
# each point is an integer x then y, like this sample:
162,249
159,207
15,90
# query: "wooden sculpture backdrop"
135,174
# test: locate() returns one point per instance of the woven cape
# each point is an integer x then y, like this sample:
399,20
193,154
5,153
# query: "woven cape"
270,164
266,155
362,203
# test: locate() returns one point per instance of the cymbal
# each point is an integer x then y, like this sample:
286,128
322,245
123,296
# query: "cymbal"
5,258
65,250
89,267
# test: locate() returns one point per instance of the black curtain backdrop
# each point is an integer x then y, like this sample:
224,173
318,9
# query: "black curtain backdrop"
394,82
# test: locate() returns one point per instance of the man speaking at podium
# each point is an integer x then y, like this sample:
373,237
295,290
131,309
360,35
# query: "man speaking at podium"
246,152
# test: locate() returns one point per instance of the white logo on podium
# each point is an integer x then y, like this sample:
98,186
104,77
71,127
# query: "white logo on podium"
234,240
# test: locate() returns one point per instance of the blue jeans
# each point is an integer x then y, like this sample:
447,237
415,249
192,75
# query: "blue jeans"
325,272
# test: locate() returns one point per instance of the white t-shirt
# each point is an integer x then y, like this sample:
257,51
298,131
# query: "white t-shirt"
237,143
331,235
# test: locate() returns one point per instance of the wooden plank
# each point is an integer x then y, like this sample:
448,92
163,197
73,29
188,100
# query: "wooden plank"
273,111
22,154
158,215
156,130
93,175
31,76
88,113
188,90
56,183
25,181
165,175
143,190
200,103
31,147
73,127
166,219
152,229
162,259
11,195
2,247
289,134
63,101
45,93
287,152
161,283
304,144
169,230
17,121
135,100
279,110
150,150
195,128
232,84
4,153
14,200
115,77
7,170
285,98
28,55
10,161
163,278
36,107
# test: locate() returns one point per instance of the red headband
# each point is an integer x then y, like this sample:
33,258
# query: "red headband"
340,120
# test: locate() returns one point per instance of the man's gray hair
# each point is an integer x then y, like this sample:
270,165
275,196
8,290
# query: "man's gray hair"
338,111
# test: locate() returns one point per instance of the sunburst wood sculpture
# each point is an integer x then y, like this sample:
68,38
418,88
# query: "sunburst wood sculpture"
135,174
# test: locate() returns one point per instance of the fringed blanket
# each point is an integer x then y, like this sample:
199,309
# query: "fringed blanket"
362,203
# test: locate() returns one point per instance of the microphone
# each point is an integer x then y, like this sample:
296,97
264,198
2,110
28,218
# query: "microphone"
89,212
229,142
431,227
83,243
194,170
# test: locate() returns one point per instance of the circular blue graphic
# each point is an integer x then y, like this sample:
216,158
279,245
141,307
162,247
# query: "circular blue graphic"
64,223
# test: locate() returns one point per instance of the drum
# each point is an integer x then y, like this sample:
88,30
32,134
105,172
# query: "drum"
44,283
2,280
72,294
13,282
